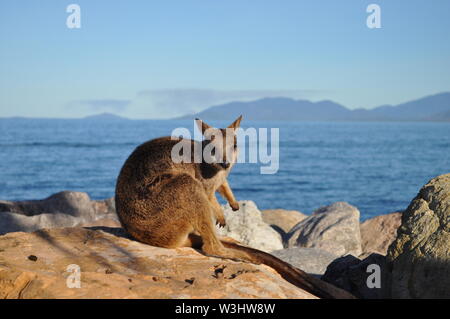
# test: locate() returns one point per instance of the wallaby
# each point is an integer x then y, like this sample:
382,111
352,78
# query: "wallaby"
167,203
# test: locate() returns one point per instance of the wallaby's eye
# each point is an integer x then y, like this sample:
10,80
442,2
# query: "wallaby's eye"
235,146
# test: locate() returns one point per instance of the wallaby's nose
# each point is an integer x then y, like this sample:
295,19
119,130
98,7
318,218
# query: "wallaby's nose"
225,165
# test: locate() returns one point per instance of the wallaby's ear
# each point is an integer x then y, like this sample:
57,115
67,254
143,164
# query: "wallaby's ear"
236,123
202,126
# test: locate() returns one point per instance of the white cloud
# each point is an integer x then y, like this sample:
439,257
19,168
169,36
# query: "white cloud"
101,105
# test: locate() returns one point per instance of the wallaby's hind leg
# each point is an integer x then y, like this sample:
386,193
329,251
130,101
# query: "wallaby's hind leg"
211,243
164,235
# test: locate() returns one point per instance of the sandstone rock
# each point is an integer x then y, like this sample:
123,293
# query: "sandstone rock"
282,220
107,222
64,209
379,232
311,260
333,228
352,274
420,255
247,226
35,265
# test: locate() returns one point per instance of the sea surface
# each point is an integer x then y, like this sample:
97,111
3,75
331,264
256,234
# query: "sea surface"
378,167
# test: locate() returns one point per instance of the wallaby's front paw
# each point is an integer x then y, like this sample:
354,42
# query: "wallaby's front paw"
234,206
221,222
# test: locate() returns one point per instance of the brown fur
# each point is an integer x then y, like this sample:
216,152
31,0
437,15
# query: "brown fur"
172,205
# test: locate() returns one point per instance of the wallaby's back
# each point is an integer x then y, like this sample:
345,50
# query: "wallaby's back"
153,192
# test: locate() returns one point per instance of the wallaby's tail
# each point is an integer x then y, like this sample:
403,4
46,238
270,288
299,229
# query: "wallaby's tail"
292,274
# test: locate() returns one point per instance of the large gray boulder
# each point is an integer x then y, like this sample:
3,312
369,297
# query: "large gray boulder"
420,255
282,220
76,204
333,228
10,222
311,260
247,226
64,209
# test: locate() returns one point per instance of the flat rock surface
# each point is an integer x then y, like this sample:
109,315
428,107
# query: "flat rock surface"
35,265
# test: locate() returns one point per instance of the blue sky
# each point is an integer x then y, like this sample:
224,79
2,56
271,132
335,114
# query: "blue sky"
159,59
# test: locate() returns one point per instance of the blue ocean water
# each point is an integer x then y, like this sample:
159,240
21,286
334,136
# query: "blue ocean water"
378,167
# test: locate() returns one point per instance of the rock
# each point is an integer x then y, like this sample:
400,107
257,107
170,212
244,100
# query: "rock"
112,266
247,226
64,209
311,260
105,208
333,228
282,220
379,232
107,222
10,222
76,204
420,255
352,274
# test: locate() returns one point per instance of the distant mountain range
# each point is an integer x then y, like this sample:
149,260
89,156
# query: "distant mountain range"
429,108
